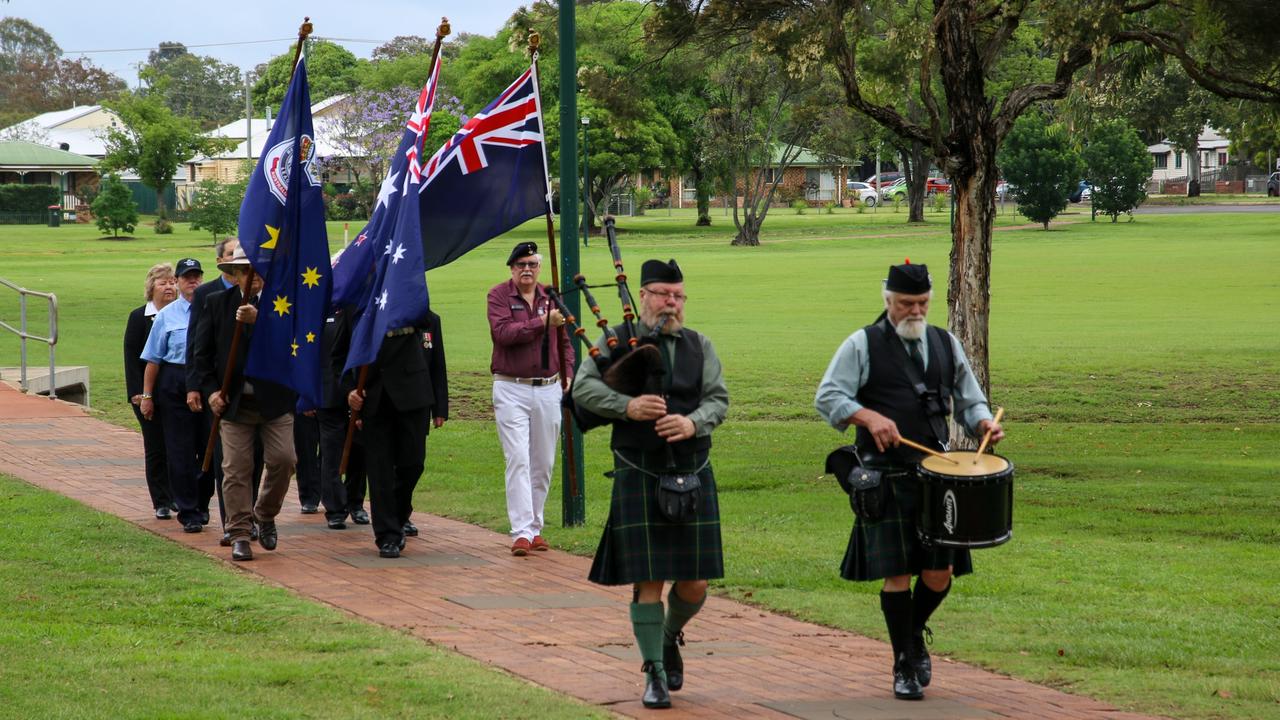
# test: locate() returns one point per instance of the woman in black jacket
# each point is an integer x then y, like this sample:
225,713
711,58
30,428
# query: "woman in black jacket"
161,289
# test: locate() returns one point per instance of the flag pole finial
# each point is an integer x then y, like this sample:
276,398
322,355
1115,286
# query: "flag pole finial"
535,42
304,30
444,29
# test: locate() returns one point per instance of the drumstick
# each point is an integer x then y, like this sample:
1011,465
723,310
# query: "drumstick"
987,438
924,449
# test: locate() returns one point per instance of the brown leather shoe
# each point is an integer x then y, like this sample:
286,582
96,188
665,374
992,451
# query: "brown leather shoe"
539,544
521,547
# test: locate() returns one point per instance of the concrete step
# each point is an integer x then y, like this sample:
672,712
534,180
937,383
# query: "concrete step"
70,381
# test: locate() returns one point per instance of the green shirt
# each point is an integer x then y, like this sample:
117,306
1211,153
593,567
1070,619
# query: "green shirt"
590,392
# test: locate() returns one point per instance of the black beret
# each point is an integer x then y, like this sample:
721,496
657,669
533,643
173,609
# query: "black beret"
524,249
657,271
909,279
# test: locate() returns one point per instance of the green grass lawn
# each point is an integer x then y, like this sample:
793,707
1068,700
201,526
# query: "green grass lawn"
106,620
1138,363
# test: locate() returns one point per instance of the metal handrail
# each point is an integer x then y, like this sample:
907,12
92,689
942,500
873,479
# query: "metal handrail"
21,332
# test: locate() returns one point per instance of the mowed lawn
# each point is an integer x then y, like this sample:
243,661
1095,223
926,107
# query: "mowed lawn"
1137,361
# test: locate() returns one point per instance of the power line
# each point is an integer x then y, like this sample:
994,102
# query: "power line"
224,44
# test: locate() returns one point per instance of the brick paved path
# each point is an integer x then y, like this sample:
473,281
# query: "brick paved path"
458,586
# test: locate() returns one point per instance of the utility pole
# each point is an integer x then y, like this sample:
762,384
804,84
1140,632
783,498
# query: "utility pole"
248,119
574,506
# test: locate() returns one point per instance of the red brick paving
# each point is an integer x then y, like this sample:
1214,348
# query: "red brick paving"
439,588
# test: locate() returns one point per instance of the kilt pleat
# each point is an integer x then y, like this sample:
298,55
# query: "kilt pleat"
639,545
891,547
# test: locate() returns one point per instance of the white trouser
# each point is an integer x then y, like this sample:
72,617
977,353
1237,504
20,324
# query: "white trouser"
528,420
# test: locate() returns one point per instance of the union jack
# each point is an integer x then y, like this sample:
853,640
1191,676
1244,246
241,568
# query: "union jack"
512,120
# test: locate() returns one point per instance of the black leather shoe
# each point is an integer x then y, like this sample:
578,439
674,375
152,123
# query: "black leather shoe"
267,535
253,531
410,529
204,517
240,550
310,509
192,527
162,513
226,540
673,663
389,550
360,517
920,657
401,543
656,695
338,524
905,684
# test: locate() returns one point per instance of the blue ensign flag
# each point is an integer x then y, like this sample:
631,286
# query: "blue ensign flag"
488,178
381,271
282,232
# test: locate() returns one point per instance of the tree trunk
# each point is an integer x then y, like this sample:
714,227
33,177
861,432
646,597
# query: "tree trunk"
916,169
160,214
702,190
749,231
1193,169
969,283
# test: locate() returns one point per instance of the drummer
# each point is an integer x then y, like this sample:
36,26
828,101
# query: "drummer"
869,385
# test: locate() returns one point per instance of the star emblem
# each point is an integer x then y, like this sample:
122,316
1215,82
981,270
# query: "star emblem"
311,278
294,345
388,250
388,189
382,300
275,237
311,337
282,305
399,254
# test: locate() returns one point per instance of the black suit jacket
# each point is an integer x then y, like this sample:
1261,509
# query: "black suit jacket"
135,338
197,305
335,341
211,350
410,375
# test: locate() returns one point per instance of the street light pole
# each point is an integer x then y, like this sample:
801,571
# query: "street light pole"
573,505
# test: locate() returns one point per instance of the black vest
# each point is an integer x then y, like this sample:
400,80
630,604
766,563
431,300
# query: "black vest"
683,392
889,391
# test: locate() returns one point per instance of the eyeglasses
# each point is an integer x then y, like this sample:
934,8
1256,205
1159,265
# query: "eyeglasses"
677,296
528,265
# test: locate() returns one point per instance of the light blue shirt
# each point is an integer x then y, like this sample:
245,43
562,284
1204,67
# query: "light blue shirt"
837,395
168,339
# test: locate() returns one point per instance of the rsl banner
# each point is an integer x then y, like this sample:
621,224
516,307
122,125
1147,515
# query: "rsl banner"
283,234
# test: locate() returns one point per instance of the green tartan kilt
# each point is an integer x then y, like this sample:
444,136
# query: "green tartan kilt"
639,545
892,547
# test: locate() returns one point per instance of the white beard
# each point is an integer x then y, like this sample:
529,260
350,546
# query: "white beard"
910,329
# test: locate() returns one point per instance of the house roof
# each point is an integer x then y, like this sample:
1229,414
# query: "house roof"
58,117
810,158
1210,139
23,155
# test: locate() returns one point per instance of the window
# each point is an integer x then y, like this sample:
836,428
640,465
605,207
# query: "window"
1177,160
1222,159
1162,160
770,174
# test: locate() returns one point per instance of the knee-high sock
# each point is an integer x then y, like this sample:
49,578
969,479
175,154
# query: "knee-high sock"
646,622
924,601
896,607
679,613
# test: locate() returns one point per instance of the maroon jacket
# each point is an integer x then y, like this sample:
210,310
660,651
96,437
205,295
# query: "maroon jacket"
518,331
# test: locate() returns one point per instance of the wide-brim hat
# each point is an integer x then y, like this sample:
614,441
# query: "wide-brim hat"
238,259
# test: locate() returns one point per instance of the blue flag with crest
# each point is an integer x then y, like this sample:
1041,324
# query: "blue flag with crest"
283,234
381,272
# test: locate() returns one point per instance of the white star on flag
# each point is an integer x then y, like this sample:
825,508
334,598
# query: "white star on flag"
388,250
388,189
399,254
382,300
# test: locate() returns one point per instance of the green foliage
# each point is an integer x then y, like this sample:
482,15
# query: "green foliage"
331,70
940,201
641,197
194,86
1118,165
162,226
216,206
114,208
28,198
1040,161
154,142
829,207
800,206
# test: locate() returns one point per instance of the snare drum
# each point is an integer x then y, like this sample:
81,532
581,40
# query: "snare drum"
969,505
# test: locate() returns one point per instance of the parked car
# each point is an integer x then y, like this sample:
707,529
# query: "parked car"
1273,185
861,192
896,191
887,177
1083,192
1002,190
935,185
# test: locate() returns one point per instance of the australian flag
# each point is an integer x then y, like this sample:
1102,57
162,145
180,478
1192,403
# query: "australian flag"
282,232
382,271
488,178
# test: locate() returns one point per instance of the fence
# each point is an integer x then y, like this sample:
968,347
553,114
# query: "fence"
23,335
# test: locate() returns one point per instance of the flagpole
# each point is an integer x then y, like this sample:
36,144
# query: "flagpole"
441,33
304,31
566,420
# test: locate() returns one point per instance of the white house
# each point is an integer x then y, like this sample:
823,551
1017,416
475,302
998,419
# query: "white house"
1171,164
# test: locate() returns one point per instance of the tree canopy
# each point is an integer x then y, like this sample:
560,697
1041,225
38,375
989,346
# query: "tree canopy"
34,78
194,86
1118,165
331,70
1040,162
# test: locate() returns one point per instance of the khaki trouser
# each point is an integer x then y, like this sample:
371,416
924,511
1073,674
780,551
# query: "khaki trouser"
237,468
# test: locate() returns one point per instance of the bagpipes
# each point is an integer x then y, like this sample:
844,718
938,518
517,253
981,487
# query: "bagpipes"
634,364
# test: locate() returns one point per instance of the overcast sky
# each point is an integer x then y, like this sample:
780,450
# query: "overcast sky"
88,28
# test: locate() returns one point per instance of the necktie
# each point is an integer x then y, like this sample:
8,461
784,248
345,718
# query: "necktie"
916,356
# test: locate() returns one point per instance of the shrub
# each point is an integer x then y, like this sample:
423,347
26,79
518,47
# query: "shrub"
28,198
216,207
1039,160
641,197
829,207
1118,165
799,206
940,201
163,227
859,207
114,208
